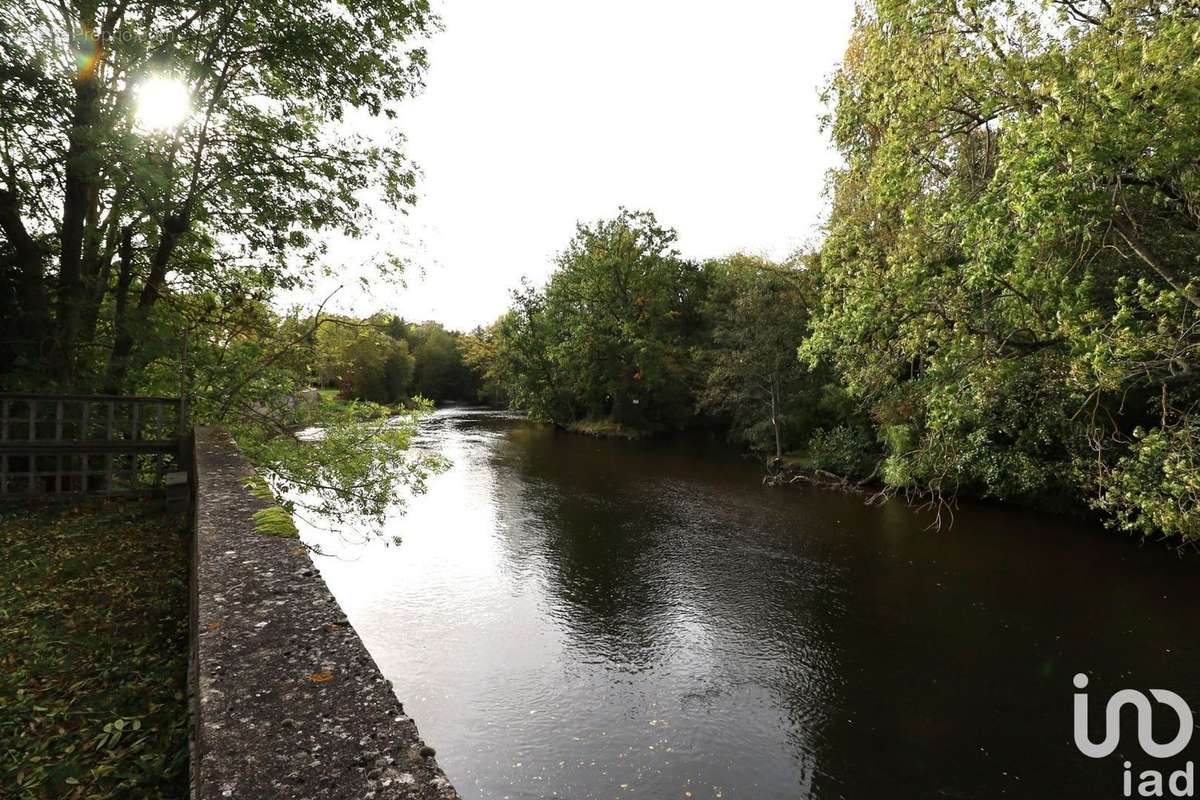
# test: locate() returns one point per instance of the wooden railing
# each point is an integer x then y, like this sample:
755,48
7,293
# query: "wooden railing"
63,445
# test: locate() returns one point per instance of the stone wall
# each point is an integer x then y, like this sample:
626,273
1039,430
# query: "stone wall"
286,701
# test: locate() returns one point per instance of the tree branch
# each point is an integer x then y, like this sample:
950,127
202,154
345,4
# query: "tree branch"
1127,232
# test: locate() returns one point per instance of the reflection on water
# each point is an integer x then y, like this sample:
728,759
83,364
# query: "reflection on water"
577,618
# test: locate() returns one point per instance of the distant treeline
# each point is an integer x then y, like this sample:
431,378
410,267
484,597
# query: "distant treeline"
629,337
387,360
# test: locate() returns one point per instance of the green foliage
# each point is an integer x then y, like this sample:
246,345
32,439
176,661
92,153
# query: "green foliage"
609,335
1008,292
757,315
95,633
349,469
146,261
1009,280
106,222
441,371
521,364
481,354
842,450
1155,485
364,360
386,360
628,337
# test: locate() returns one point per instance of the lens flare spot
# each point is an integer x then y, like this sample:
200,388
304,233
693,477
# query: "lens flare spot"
162,103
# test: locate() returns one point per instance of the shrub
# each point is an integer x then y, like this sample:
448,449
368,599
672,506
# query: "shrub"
843,450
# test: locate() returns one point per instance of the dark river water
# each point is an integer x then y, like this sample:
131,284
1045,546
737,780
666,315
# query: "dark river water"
579,618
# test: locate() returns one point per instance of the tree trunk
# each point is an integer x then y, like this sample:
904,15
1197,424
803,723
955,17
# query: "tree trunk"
97,267
172,229
1175,281
30,265
115,377
94,299
775,425
79,188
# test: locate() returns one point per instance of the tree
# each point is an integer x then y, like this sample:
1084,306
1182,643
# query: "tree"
481,354
759,315
522,363
103,219
609,336
146,258
381,369
1009,279
364,360
249,378
441,374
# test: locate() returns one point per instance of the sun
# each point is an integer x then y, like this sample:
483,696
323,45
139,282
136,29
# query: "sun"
162,103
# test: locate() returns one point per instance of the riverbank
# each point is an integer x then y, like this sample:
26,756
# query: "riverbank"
634,592
94,620
287,700
606,429
803,468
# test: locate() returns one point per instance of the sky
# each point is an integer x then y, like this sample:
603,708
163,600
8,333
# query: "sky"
541,113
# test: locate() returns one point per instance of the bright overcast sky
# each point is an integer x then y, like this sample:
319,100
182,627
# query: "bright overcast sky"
539,113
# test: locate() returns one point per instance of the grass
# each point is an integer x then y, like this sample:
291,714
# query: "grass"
93,651
606,428
798,459
329,395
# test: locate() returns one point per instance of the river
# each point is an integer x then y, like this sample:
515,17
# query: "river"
581,618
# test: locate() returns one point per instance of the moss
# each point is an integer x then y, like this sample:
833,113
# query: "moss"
274,521
259,488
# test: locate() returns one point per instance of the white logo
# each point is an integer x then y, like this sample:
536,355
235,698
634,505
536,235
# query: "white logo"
1150,782
1145,714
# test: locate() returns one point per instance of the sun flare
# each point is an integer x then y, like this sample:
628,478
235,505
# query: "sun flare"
162,104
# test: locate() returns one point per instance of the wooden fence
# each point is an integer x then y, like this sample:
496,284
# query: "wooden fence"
65,445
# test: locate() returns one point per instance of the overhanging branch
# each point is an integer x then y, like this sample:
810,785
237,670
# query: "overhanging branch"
1127,232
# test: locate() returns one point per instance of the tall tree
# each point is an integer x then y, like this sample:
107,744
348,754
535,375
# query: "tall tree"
441,374
363,359
103,217
759,314
1010,276
481,354
621,311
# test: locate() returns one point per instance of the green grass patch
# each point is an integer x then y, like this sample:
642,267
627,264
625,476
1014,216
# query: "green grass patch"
606,428
798,459
330,395
93,651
